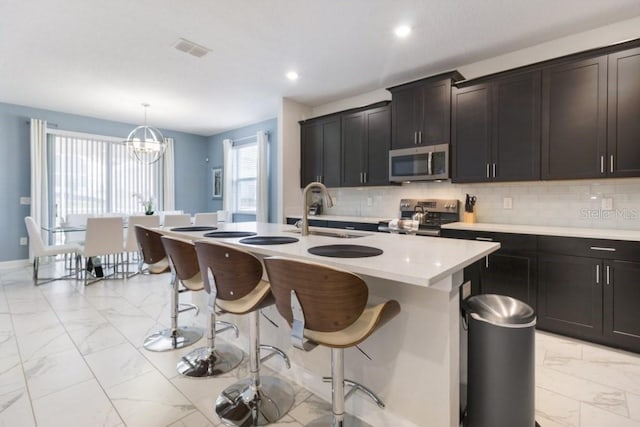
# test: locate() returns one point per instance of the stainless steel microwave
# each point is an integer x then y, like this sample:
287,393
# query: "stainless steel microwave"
419,164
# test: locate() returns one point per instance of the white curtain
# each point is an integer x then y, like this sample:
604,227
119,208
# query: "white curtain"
169,187
262,184
227,192
39,174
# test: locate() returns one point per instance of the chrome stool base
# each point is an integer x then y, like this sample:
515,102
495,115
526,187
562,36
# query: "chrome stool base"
241,404
348,421
164,340
202,362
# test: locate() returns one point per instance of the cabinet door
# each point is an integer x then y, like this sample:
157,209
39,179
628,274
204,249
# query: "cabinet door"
510,274
471,136
516,128
311,152
570,295
320,151
436,113
331,156
574,122
623,156
622,304
407,115
353,148
378,131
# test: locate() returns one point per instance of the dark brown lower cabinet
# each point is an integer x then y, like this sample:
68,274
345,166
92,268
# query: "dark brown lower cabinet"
592,294
510,274
509,271
570,295
622,304
582,288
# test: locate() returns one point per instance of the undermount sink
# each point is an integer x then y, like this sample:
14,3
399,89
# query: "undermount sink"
345,251
338,234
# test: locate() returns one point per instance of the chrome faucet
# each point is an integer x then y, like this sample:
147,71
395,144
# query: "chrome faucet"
326,198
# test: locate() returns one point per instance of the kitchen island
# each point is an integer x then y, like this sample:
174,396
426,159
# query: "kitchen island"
414,364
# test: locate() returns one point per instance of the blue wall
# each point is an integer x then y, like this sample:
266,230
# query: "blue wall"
192,171
216,161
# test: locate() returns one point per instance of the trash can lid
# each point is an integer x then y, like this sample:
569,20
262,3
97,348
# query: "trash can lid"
500,310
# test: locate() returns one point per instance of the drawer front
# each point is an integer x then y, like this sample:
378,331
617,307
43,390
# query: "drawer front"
594,248
509,242
348,225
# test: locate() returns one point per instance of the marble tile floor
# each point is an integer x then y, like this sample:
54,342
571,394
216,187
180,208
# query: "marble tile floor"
73,356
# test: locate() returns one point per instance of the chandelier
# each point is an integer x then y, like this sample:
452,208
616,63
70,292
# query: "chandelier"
146,143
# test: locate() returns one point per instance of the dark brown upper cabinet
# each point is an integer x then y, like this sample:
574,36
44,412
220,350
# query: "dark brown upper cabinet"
574,119
496,130
421,111
623,143
366,138
320,151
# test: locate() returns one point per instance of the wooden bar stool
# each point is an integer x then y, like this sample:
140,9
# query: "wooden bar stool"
152,250
181,272
237,278
327,306
213,359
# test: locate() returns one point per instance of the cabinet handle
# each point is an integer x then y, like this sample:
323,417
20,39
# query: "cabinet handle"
419,137
494,170
601,248
611,163
601,164
349,227
484,239
597,274
360,177
364,179
608,270
415,138
488,176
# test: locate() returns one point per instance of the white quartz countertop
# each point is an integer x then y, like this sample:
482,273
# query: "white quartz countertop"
541,230
365,219
416,260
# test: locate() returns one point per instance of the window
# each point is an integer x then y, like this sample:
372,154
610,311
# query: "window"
245,173
96,175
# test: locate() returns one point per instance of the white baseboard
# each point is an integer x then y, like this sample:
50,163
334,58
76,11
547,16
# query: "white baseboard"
11,265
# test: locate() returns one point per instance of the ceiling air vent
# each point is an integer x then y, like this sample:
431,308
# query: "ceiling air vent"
191,48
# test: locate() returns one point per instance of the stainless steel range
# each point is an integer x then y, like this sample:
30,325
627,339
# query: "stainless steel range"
430,215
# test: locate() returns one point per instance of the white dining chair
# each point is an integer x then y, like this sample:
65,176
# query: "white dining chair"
177,220
78,221
205,218
131,242
40,249
223,216
104,238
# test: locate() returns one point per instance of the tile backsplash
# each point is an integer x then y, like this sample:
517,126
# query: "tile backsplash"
555,203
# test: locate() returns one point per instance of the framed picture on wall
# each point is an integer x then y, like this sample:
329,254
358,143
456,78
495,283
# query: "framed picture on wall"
217,183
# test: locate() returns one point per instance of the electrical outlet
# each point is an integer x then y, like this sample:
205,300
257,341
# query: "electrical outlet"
24,241
607,203
25,200
369,201
507,203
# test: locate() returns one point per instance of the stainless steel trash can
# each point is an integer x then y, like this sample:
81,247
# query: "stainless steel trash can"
501,362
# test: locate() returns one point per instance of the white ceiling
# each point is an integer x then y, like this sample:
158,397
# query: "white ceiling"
104,58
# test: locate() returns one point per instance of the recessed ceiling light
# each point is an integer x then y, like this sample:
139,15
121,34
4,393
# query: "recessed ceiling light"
402,31
292,75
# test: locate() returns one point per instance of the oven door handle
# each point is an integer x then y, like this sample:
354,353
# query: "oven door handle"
430,163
